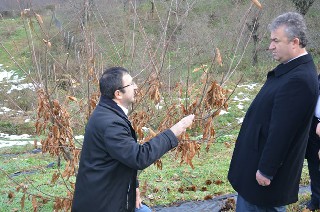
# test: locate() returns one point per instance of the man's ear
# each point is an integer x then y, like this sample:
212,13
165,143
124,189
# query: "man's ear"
296,41
117,94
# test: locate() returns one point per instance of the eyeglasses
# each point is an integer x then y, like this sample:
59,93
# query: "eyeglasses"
132,83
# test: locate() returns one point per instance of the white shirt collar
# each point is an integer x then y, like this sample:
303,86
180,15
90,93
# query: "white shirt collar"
125,110
297,57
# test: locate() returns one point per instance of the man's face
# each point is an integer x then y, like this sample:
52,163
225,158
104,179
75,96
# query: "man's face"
128,93
280,46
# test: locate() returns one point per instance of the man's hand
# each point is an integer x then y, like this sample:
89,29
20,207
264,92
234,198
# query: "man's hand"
318,129
138,199
263,181
319,154
182,125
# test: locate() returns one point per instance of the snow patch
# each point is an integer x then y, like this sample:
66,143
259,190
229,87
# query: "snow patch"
223,112
249,86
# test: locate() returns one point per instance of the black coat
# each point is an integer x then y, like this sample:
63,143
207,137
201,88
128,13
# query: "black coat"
313,143
314,140
110,158
274,133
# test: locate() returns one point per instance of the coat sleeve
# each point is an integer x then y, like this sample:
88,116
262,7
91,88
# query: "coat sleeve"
291,113
122,146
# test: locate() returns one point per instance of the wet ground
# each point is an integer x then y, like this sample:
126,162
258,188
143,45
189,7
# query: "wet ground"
213,205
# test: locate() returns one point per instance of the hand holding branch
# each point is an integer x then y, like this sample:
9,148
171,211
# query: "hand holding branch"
182,125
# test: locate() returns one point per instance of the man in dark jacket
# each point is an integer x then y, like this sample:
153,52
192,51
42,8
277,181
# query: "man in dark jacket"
313,158
268,157
111,156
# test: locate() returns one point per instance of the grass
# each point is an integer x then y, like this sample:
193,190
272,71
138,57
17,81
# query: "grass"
13,36
36,175
182,183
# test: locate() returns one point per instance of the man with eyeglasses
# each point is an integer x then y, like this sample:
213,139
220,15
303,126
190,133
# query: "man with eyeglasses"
111,156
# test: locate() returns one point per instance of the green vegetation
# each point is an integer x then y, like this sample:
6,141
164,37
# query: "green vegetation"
13,38
170,40
21,167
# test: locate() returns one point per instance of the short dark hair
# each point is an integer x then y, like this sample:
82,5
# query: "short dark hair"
111,80
295,26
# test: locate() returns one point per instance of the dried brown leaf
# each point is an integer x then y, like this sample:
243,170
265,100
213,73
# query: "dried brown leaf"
208,197
218,57
227,144
218,182
72,98
181,190
208,182
10,195
22,201
192,188
202,67
39,18
257,3
55,177
34,204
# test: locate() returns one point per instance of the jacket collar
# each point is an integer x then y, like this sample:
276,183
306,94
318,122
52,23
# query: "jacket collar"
112,105
285,68
105,102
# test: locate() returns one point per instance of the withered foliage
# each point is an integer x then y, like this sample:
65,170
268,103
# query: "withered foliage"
187,149
54,121
191,188
205,101
63,204
229,204
93,100
208,182
154,85
208,197
204,188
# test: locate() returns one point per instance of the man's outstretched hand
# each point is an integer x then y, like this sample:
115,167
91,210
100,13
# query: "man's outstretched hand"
182,125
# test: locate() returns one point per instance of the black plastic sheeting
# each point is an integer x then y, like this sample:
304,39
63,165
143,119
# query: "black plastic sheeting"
213,205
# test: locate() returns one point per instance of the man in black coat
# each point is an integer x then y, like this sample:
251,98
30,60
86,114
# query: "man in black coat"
111,156
313,158
267,161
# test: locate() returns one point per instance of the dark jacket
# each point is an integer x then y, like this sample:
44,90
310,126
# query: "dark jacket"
314,140
274,133
110,158
313,143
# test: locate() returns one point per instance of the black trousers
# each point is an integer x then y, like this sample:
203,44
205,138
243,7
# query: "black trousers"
314,173
314,162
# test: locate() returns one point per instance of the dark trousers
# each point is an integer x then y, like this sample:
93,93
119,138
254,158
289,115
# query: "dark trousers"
314,162
245,206
314,173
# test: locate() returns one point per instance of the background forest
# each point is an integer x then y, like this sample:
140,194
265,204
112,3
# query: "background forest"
187,56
